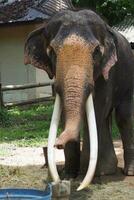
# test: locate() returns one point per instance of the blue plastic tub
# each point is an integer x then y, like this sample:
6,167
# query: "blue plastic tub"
25,194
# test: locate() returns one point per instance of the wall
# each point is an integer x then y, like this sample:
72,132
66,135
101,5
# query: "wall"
12,69
41,76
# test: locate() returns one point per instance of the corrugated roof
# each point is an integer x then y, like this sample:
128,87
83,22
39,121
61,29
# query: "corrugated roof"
126,27
12,11
51,9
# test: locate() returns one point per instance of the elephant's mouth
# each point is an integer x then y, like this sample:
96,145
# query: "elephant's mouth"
92,136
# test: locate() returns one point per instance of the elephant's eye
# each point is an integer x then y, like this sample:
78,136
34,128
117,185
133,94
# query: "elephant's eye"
49,49
97,54
50,52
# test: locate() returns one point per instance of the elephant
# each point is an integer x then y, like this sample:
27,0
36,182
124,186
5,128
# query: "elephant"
85,56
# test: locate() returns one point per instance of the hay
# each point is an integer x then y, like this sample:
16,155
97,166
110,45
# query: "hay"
23,177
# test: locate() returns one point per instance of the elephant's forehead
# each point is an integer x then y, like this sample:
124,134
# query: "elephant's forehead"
74,39
73,44
76,43
74,51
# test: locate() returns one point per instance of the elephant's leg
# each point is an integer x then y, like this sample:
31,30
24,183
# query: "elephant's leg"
124,115
107,160
72,159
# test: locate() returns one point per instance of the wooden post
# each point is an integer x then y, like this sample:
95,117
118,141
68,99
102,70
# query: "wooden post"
1,97
45,156
61,190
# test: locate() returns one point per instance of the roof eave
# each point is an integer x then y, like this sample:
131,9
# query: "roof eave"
16,22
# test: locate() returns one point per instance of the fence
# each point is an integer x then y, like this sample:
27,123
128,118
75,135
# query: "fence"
23,87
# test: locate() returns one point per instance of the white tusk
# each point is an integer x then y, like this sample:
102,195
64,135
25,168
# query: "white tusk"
93,143
52,138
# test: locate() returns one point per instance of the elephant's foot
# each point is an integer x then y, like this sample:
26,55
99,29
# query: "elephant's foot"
107,164
129,162
104,168
64,138
68,175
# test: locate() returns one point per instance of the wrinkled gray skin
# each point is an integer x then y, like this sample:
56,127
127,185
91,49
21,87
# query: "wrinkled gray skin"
85,55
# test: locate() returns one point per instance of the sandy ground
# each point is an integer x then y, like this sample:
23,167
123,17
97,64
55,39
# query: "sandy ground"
22,167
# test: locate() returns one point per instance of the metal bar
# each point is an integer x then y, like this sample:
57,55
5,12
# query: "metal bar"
25,86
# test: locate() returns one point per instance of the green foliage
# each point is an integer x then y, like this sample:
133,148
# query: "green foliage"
4,118
113,10
27,127
85,3
115,130
116,10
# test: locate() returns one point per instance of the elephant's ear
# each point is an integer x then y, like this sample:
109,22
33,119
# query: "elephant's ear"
35,51
110,55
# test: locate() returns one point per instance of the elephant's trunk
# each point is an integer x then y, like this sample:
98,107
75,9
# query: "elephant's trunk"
73,102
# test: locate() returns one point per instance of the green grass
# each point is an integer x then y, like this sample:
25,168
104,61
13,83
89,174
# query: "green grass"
29,126
115,131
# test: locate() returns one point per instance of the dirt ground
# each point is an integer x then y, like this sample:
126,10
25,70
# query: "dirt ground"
22,167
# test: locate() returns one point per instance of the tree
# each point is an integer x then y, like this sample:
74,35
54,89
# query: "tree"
113,10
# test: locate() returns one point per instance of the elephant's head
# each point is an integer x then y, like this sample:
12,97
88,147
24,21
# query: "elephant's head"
75,47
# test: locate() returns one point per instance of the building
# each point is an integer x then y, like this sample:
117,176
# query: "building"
17,19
